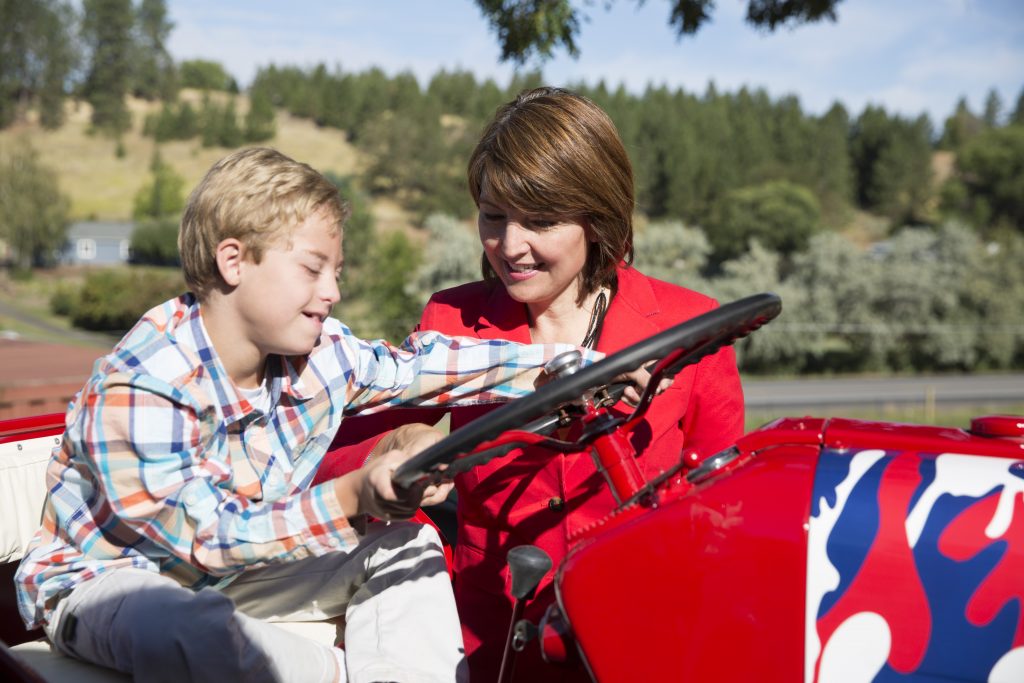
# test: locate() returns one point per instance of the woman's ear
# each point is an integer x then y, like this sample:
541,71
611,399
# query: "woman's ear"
230,255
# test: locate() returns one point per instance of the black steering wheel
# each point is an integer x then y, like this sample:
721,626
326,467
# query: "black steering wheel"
678,346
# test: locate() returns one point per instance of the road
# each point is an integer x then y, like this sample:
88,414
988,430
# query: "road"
43,329
853,391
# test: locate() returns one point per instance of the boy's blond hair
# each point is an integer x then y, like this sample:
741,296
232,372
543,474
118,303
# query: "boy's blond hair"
257,196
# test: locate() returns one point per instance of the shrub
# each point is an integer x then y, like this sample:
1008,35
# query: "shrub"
112,300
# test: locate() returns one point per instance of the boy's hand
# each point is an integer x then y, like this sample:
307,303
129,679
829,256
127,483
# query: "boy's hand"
379,498
411,438
368,490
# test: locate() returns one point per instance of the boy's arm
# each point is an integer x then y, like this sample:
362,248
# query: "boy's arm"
432,369
164,469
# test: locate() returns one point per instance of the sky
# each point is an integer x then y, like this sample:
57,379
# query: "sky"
910,56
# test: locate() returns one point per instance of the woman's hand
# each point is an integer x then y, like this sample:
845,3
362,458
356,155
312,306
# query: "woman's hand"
637,380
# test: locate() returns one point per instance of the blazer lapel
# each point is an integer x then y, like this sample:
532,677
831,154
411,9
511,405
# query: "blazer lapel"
632,315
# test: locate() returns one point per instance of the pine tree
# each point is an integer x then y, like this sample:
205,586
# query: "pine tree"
163,196
36,55
107,34
260,122
960,127
1017,115
154,74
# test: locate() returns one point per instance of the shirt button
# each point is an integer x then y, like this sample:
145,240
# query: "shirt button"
333,542
556,504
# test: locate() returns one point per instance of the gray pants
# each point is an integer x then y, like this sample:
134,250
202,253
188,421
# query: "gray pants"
392,592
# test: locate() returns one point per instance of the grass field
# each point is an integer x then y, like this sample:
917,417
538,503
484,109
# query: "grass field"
103,186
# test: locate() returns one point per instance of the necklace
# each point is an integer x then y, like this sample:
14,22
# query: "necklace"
596,320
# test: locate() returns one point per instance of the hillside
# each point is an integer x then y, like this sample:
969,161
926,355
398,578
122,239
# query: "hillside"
102,186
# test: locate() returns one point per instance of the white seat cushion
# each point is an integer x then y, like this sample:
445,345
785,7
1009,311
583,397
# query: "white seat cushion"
22,492
56,668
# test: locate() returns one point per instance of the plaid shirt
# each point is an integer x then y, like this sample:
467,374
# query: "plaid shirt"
164,466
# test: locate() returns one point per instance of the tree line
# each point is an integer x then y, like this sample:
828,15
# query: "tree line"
739,165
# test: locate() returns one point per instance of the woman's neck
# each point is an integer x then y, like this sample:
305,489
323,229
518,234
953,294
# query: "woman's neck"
561,322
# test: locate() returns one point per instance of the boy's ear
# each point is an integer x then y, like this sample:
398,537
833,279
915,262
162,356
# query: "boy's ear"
230,254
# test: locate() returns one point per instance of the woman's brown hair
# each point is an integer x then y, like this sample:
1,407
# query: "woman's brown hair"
554,152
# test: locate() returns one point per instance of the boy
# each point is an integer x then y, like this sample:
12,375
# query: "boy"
187,459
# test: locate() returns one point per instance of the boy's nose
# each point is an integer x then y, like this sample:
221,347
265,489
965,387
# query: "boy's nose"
330,292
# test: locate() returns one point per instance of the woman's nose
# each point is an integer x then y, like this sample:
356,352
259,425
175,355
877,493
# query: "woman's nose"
514,239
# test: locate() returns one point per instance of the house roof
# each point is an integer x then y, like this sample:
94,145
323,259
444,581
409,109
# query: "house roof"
113,230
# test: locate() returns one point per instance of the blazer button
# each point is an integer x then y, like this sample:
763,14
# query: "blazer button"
556,504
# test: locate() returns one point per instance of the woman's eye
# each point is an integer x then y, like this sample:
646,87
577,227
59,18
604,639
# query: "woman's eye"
543,223
492,217
315,272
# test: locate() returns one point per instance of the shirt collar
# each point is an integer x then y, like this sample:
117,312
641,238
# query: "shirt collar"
284,374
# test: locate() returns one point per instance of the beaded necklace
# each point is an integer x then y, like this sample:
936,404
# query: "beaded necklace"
596,320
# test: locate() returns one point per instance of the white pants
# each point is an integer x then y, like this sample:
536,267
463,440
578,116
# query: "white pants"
392,591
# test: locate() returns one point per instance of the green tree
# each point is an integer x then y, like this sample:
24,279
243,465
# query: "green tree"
37,54
34,220
155,242
260,120
359,228
993,109
161,197
780,215
62,58
539,27
1017,115
204,74
456,92
892,159
988,187
960,127
230,135
387,288
154,74
107,35
830,171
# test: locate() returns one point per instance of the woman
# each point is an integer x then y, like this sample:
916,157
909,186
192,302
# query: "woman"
554,188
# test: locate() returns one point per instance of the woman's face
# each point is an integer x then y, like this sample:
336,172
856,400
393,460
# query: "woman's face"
538,258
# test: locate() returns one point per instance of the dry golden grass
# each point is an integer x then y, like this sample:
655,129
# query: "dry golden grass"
103,186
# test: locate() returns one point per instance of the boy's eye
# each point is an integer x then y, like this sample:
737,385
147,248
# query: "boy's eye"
493,216
542,223
312,271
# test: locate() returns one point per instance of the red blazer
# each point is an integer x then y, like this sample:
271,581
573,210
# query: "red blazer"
536,497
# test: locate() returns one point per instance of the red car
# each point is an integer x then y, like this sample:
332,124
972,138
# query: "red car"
812,550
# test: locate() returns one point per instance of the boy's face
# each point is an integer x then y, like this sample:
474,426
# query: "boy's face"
284,299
